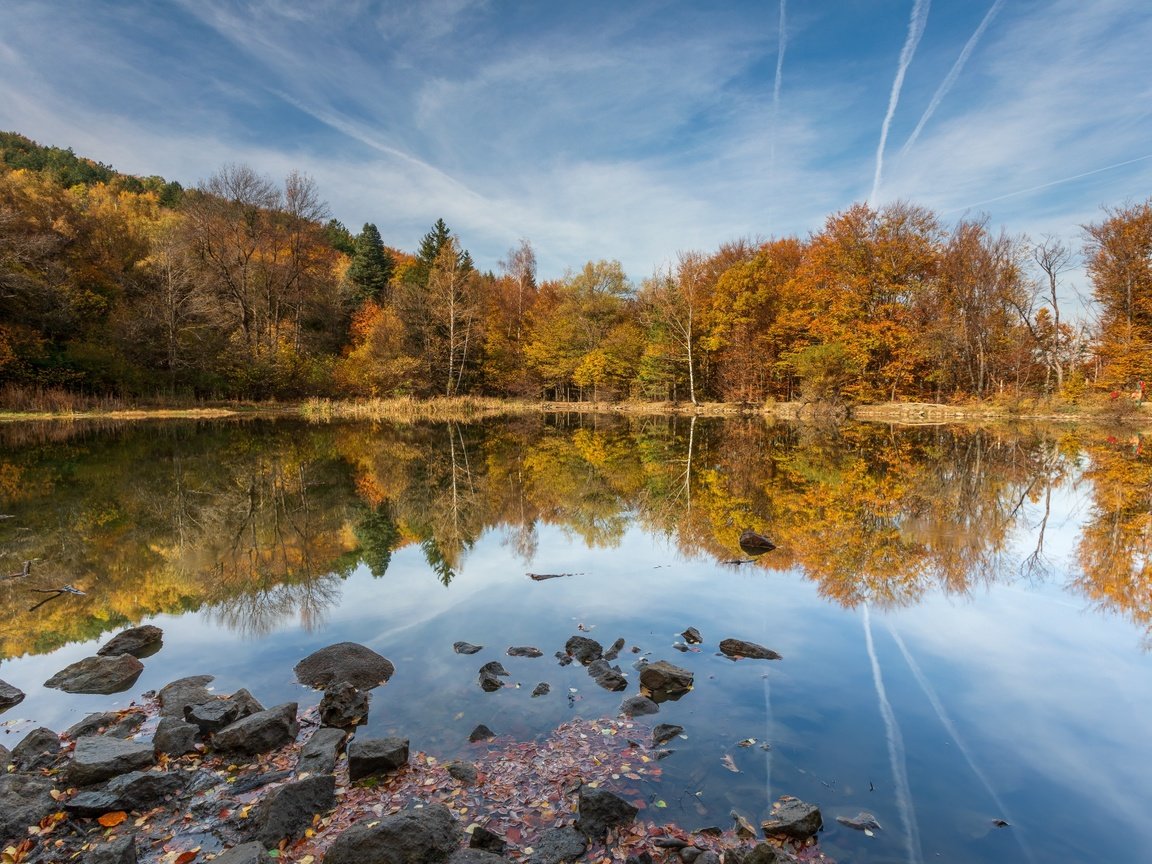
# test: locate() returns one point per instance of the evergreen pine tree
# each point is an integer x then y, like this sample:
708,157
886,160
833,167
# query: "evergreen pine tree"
371,267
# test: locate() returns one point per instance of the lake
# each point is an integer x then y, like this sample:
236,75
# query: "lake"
964,615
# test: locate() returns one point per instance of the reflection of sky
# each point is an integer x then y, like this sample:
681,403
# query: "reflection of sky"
1049,701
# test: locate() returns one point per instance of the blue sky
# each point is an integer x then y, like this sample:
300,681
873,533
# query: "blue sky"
607,129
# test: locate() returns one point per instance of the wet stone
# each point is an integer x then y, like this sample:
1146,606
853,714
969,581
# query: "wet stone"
376,756
104,675
97,758
541,689
344,706
9,695
142,641
738,648
181,693
175,737
466,648
664,732
486,840
481,733
259,732
116,724
793,818
212,716
288,811
320,754
38,749
559,846
600,810
464,772
525,651
361,667
584,649
638,706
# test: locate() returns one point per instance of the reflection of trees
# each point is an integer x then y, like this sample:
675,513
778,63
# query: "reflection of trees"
1116,544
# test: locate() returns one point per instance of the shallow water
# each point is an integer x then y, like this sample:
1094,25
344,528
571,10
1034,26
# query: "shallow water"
963,616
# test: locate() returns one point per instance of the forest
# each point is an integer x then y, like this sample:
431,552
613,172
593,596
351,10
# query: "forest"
245,288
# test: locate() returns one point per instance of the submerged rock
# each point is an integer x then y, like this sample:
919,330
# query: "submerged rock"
737,648
524,651
541,689
490,674
361,667
584,649
466,648
637,706
664,732
481,733
665,681
753,543
793,818
600,810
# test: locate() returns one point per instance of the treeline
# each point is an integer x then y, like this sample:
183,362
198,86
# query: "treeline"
245,288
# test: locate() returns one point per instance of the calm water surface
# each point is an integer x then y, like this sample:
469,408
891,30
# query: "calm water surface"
964,616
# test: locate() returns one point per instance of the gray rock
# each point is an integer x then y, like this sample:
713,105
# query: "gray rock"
345,661
663,680
481,733
25,799
212,716
464,772
98,675
470,855
761,853
9,696
257,779
122,850
613,652
689,854
600,810
96,759
466,648
115,724
559,846
486,840
259,732
376,756
489,672
246,853
584,649
665,732
638,706
425,836
286,812
175,737
38,749
708,857
541,689
5,758
737,648
246,704
137,790
524,651
142,641
608,677
344,706
181,693
793,818
319,755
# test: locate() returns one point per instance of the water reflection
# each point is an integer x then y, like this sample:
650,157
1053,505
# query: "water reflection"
261,522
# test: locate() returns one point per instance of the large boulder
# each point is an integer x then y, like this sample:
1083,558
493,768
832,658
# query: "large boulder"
425,836
182,692
376,756
361,667
25,799
793,818
143,641
259,732
137,790
738,648
286,812
600,810
98,675
96,759
9,696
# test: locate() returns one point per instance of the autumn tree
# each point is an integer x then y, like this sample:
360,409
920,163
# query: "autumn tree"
1119,262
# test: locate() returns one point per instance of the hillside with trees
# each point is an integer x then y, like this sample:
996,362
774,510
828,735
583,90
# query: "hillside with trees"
244,287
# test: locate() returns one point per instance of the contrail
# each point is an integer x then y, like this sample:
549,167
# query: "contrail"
950,728
896,755
953,74
915,31
1050,184
781,44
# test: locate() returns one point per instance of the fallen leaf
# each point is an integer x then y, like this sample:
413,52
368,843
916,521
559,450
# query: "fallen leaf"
185,857
729,763
111,820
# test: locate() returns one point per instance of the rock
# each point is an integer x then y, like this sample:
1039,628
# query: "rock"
96,759
708,857
255,780
737,648
25,799
246,704
484,839
98,675
608,677
600,810
137,790
525,651
475,856
558,846
115,724
863,821
564,659
212,716
143,641
343,706
181,693
645,858
689,854
5,758
464,772
175,737
259,732
376,756
665,681
584,649
541,689
637,706
122,850
481,733
692,636
9,696
466,648
489,682
761,853
755,544
246,853
286,812
361,667
425,836
793,818
38,749
319,755
613,652
665,732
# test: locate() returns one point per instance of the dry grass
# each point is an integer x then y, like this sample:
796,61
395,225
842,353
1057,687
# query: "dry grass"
410,410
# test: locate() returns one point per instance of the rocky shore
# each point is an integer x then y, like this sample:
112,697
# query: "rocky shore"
189,775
